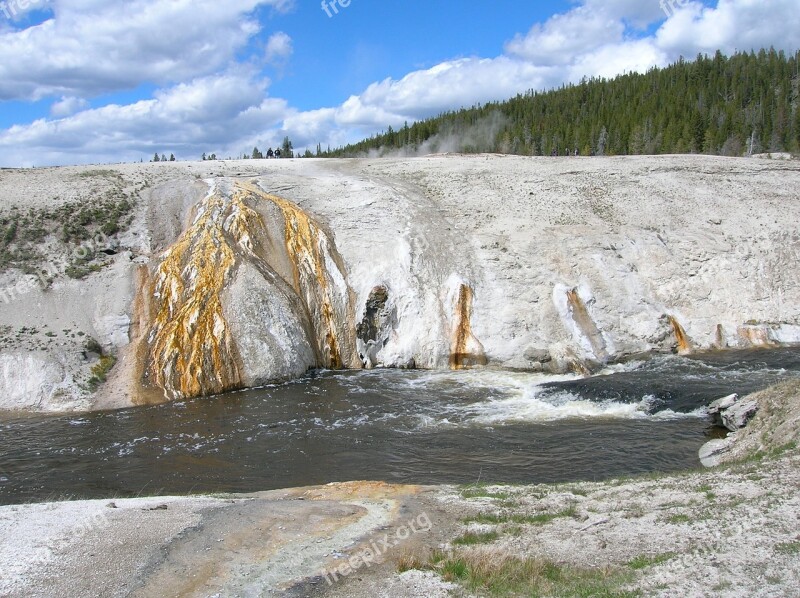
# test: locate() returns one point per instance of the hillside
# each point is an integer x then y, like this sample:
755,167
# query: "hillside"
743,104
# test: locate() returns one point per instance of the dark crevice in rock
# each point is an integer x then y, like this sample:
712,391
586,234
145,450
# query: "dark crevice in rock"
374,330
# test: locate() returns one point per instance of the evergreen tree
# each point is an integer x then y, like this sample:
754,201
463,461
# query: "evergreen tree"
714,104
156,158
172,157
286,148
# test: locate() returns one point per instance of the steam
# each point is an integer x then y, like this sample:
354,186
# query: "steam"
454,137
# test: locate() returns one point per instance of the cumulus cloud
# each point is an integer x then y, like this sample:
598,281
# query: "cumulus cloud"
279,48
209,113
90,47
207,103
67,106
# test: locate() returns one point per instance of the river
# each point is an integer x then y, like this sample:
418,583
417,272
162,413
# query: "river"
428,427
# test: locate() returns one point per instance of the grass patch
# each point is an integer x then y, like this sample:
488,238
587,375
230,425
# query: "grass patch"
790,548
80,226
100,371
758,456
644,561
538,519
482,491
472,538
677,519
410,562
501,575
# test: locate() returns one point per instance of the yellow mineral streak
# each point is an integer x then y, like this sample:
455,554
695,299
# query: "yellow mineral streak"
191,350
311,279
684,344
465,350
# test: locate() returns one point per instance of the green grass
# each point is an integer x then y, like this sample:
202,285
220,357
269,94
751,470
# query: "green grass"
706,489
512,576
677,519
758,456
472,538
644,561
538,519
100,371
790,548
77,225
482,491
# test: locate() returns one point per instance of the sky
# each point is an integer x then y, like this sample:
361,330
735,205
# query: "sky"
102,81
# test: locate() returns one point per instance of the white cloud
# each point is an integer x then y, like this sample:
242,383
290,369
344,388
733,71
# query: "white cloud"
67,106
279,48
563,37
90,47
732,25
215,113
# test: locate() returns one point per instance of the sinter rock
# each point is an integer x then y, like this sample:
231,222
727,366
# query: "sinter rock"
731,412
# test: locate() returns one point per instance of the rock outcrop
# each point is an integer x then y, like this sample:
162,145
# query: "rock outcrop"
763,423
732,413
237,308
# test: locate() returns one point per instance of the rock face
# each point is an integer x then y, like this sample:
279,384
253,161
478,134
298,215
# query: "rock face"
37,381
237,274
234,308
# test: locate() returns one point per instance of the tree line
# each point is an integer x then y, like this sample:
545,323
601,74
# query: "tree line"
743,104
286,150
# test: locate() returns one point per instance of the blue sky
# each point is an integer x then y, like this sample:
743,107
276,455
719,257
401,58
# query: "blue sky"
90,81
371,40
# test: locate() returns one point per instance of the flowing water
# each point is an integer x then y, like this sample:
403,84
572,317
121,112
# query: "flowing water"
399,426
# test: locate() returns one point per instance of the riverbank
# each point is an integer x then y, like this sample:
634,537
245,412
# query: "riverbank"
729,531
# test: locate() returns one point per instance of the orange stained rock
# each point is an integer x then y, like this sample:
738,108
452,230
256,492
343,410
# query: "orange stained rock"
304,240
684,344
191,349
465,349
586,324
755,336
358,490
